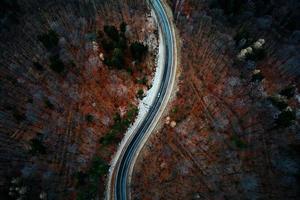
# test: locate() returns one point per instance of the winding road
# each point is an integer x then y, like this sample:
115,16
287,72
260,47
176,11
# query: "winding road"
119,188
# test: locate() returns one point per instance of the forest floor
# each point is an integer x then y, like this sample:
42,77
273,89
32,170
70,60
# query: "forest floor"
63,109
232,131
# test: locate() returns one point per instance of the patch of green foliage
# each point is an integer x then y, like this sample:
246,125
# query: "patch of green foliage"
109,138
91,36
89,118
293,22
138,50
9,5
49,40
81,178
131,114
140,93
243,33
11,10
260,7
279,103
49,105
89,182
289,91
238,142
175,109
30,100
56,64
87,193
121,43
107,45
37,147
117,59
142,81
38,66
19,116
99,168
123,27
120,126
257,54
117,117
112,32
286,118
258,77
230,7
115,45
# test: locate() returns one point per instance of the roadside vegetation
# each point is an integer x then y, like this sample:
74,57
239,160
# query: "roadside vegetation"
120,126
115,44
88,182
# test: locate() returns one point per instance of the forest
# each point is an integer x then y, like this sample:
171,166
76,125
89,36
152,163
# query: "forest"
235,130
72,73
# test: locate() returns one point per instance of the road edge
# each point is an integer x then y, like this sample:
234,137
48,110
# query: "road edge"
171,93
159,115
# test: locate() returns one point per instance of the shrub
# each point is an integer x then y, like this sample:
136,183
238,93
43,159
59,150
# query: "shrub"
37,147
286,118
293,22
112,32
117,117
108,138
175,109
123,27
19,116
132,113
99,168
230,7
260,7
90,181
257,54
56,64
49,40
140,93
81,178
243,33
142,81
238,142
119,126
121,43
38,66
108,46
117,59
30,100
257,77
87,193
289,91
49,104
118,40
278,102
89,118
129,70
10,10
9,6
138,50
99,35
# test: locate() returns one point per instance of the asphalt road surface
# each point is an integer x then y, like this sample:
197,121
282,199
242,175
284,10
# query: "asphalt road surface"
122,170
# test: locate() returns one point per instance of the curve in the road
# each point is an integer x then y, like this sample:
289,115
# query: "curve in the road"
122,170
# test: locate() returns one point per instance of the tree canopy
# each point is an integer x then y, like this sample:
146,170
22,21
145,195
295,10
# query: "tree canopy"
138,50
